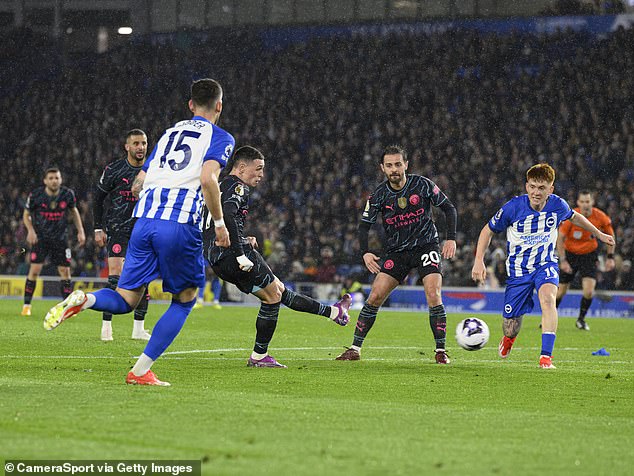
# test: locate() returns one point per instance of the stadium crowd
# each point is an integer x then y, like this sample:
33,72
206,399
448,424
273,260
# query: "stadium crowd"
474,111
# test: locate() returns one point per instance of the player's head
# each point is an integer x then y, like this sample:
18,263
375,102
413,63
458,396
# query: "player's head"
52,179
136,145
247,164
206,99
585,201
539,184
394,164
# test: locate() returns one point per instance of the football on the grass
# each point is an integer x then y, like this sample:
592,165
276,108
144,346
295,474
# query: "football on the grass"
472,333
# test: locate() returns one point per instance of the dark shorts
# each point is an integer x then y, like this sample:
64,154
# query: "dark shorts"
117,245
258,278
427,259
58,251
585,265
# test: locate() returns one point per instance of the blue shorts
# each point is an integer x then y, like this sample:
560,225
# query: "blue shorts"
518,296
171,250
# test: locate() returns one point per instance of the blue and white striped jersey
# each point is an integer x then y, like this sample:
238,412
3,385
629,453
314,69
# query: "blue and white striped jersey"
171,190
530,235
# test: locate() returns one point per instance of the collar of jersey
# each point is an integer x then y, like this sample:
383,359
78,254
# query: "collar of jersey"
200,118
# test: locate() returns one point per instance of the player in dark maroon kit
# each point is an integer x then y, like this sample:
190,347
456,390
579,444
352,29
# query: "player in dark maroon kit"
405,202
46,222
112,210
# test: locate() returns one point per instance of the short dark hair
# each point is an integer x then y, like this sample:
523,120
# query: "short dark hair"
53,169
394,150
206,92
135,132
585,191
246,153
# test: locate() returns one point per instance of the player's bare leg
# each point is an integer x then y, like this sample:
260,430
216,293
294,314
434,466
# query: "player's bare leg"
511,328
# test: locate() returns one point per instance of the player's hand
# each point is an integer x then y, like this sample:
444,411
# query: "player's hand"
372,262
222,237
31,238
607,239
253,241
565,266
100,238
245,263
479,271
449,249
610,264
81,238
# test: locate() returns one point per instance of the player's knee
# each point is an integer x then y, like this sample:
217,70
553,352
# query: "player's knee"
434,296
375,299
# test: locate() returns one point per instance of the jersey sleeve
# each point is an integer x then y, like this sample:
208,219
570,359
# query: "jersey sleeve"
29,203
221,147
70,198
105,181
564,212
372,208
502,219
436,196
606,224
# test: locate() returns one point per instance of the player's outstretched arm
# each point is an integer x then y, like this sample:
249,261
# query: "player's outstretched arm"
211,193
479,270
561,252
581,221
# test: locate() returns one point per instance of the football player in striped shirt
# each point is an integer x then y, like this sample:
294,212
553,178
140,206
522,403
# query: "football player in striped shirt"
180,174
531,222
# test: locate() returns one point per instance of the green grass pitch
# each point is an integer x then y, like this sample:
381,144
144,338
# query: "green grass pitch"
62,396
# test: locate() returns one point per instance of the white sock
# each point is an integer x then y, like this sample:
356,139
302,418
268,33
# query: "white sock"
256,356
138,327
357,348
90,301
334,312
142,365
106,324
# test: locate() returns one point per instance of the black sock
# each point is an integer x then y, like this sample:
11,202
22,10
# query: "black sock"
583,309
299,302
113,281
438,324
558,302
29,289
65,287
265,327
141,309
366,319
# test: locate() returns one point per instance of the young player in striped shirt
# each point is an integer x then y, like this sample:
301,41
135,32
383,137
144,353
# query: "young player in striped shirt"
531,222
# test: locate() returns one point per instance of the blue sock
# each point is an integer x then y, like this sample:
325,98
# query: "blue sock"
548,343
109,300
216,288
167,328
201,293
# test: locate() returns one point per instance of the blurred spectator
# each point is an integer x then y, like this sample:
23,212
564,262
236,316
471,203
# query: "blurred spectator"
474,110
